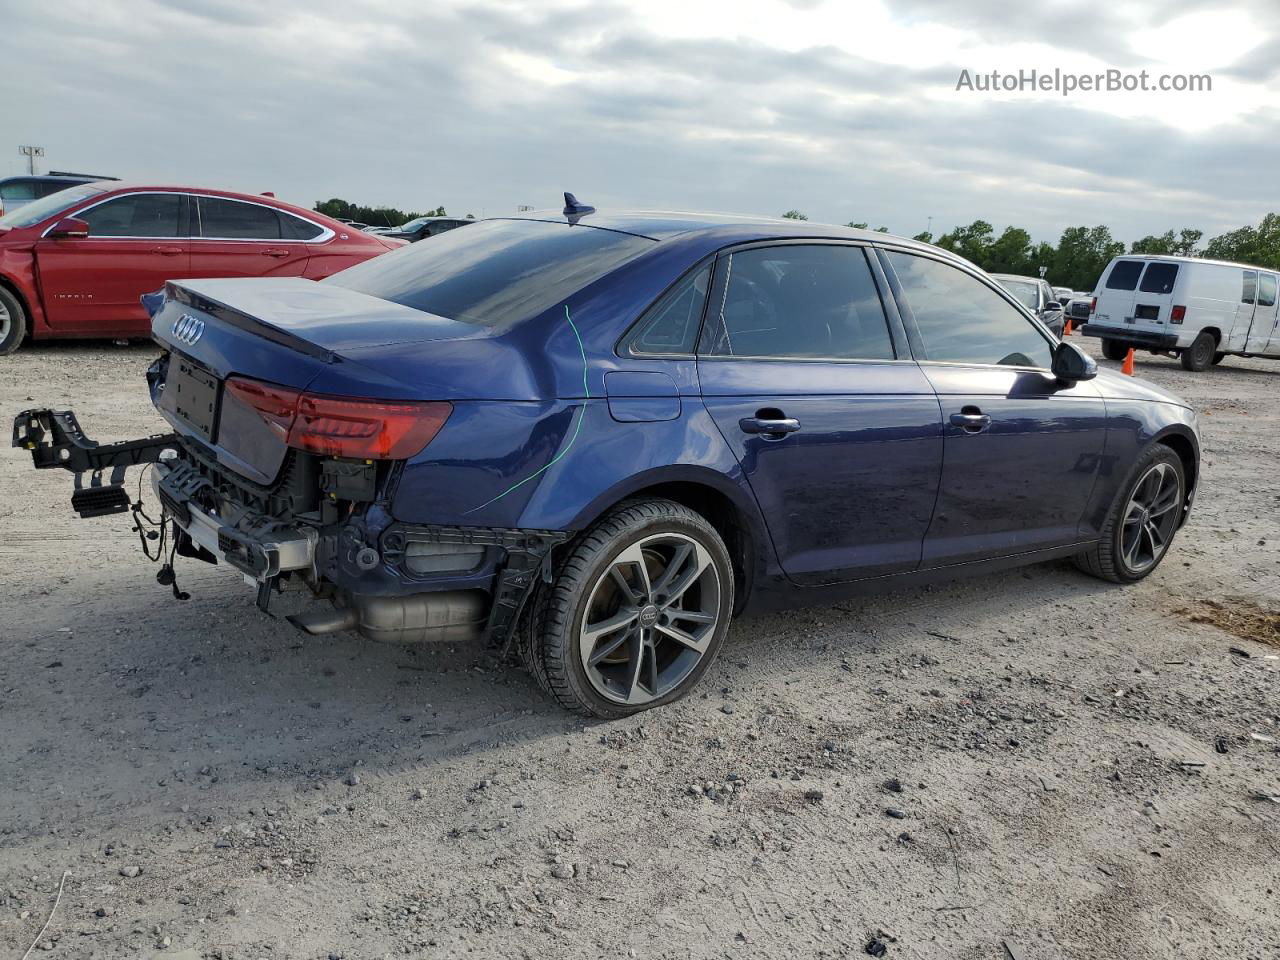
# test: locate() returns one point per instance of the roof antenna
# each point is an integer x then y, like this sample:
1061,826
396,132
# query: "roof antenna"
575,211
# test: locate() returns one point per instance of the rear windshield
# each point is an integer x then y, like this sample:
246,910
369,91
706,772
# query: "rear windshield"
38,210
1124,275
1026,294
496,272
1159,278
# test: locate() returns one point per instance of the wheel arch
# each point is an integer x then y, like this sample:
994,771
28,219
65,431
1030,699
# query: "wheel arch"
1182,442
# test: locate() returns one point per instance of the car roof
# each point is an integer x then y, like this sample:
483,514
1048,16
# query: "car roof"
71,178
117,187
1176,259
1018,276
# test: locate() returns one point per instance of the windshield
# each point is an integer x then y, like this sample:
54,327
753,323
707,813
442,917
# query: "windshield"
412,224
46,207
1024,293
495,273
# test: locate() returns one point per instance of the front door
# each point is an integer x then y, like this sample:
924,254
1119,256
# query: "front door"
1022,450
92,285
1263,331
241,239
837,432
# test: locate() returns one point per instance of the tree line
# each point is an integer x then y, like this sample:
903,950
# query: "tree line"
1081,253
374,216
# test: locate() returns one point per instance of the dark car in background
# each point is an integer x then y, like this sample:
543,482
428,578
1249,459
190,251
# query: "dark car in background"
17,192
596,438
424,227
74,263
1037,296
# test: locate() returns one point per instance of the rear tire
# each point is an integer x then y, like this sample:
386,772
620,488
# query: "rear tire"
13,323
1114,349
1199,355
1142,522
603,636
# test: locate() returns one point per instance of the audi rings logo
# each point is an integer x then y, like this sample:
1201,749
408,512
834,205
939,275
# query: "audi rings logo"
188,328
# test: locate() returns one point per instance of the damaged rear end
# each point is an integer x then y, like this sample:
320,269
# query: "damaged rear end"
291,484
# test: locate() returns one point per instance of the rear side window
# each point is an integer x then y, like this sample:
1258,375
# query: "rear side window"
962,320
1159,278
18,190
1250,286
295,228
136,215
1124,275
802,302
231,220
496,272
1267,290
670,326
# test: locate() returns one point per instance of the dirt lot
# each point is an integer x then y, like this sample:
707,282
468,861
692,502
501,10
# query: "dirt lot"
1035,759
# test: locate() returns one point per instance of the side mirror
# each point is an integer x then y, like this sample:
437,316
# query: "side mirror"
1052,305
1071,364
69,228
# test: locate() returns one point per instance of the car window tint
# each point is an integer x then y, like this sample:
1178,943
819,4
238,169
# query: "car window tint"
962,320
670,326
232,220
1124,275
135,215
1267,290
1159,278
295,228
496,272
1023,292
803,302
21,190
1250,286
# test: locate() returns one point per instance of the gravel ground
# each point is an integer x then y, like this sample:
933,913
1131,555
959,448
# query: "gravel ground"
1031,765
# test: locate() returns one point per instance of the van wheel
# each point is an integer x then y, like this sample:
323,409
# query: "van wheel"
13,322
1114,349
1218,358
637,613
1199,355
1143,519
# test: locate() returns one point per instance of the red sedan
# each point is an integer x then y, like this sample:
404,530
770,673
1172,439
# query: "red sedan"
74,263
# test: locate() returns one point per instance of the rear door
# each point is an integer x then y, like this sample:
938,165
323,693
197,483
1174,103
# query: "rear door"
837,431
1153,300
1116,293
237,238
1022,449
92,285
1263,331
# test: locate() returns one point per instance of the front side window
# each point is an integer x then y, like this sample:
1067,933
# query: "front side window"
800,301
670,326
1267,290
1124,275
136,215
1249,288
231,220
962,320
1159,278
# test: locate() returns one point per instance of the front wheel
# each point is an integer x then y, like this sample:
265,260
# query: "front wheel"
1114,349
13,322
1143,520
637,613
1199,355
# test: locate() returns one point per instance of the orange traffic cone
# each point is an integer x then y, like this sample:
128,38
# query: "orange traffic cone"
1066,331
1127,366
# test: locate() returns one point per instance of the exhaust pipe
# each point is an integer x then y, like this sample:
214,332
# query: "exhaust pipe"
321,622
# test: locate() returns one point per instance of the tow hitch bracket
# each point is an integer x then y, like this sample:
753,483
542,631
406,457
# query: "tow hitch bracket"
55,440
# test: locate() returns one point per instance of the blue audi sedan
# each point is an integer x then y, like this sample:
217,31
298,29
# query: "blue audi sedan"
593,438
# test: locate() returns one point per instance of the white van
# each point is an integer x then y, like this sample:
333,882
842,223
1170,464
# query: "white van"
1200,310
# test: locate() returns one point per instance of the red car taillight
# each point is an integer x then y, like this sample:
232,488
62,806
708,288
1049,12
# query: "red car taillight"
1178,312
342,426
1093,305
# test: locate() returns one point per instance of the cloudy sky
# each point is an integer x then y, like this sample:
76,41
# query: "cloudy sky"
847,109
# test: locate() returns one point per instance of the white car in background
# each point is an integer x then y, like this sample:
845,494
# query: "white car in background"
1198,310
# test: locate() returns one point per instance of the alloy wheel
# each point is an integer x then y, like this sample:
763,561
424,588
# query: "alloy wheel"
650,618
6,322
1150,517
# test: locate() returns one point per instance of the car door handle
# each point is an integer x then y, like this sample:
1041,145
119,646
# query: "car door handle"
167,251
971,420
769,426
275,252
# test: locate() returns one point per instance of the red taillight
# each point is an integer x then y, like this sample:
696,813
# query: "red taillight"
343,427
1093,305
1178,312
